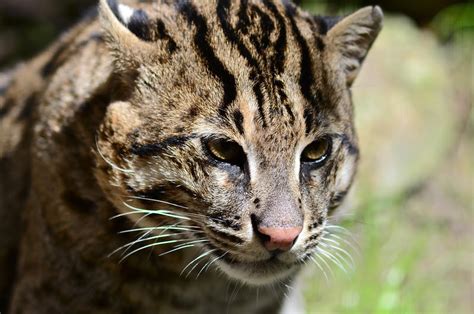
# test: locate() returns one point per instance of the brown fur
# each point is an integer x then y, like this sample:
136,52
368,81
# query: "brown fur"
120,108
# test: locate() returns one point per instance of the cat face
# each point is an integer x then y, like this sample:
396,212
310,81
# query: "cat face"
233,120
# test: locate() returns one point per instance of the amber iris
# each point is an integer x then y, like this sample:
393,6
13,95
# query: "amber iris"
317,152
226,151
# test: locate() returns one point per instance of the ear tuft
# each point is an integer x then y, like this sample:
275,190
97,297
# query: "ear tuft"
353,36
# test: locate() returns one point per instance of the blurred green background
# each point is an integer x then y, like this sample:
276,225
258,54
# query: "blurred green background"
411,212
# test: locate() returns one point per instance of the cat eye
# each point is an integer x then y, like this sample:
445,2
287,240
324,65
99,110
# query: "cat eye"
226,151
318,151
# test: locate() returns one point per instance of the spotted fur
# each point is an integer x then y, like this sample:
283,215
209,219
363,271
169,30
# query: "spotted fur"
112,121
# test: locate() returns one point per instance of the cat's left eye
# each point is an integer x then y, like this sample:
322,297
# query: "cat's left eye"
317,152
226,151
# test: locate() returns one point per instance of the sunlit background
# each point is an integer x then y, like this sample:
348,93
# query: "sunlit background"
410,218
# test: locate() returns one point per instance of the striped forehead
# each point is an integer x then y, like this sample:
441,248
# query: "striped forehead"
260,52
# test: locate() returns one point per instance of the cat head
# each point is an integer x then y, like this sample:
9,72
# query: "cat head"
233,120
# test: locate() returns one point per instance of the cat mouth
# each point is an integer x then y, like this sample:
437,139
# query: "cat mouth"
261,272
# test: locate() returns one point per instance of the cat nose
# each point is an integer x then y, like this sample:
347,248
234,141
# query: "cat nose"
282,239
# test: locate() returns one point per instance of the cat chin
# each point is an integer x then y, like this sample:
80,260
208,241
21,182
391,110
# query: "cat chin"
261,274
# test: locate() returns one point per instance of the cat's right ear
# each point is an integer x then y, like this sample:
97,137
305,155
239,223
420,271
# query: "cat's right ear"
127,30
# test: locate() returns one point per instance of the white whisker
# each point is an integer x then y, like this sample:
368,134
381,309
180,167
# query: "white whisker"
322,270
333,259
166,213
173,227
109,162
156,201
209,263
151,245
338,248
325,263
194,260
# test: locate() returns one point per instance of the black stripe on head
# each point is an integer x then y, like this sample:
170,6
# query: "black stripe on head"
139,24
257,90
308,120
262,42
306,64
244,22
222,12
238,120
153,149
162,33
280,45
320,43
316,29
208,56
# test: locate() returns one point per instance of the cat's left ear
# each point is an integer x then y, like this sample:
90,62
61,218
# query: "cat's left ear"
127,30
353,36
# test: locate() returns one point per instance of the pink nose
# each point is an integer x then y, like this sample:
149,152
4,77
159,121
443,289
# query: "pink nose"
279,238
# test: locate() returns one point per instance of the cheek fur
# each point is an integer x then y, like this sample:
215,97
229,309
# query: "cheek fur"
346,174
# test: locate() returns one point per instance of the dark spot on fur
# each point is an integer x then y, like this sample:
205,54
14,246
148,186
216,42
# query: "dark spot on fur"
193,112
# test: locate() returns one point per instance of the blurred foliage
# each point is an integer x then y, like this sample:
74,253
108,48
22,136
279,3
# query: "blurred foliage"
412,211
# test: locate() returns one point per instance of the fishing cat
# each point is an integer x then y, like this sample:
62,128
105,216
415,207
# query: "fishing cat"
177,157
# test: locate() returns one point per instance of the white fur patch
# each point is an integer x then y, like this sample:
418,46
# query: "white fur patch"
125,12
345,174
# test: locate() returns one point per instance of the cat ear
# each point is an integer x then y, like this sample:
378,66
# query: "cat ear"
353,36
127,30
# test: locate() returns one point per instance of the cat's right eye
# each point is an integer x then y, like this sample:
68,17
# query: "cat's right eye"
226,151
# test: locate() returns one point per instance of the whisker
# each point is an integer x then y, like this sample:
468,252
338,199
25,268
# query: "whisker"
201,240
196,215
339,256
151,245
156,201
177,249
161,212
348,243
324,262
108,161
173,227
337,247
208,264
128,245
333,259
194,260
322,270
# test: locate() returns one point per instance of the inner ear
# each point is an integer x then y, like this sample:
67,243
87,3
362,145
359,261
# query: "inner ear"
136,20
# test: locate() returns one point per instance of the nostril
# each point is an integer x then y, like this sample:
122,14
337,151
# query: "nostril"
255,223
